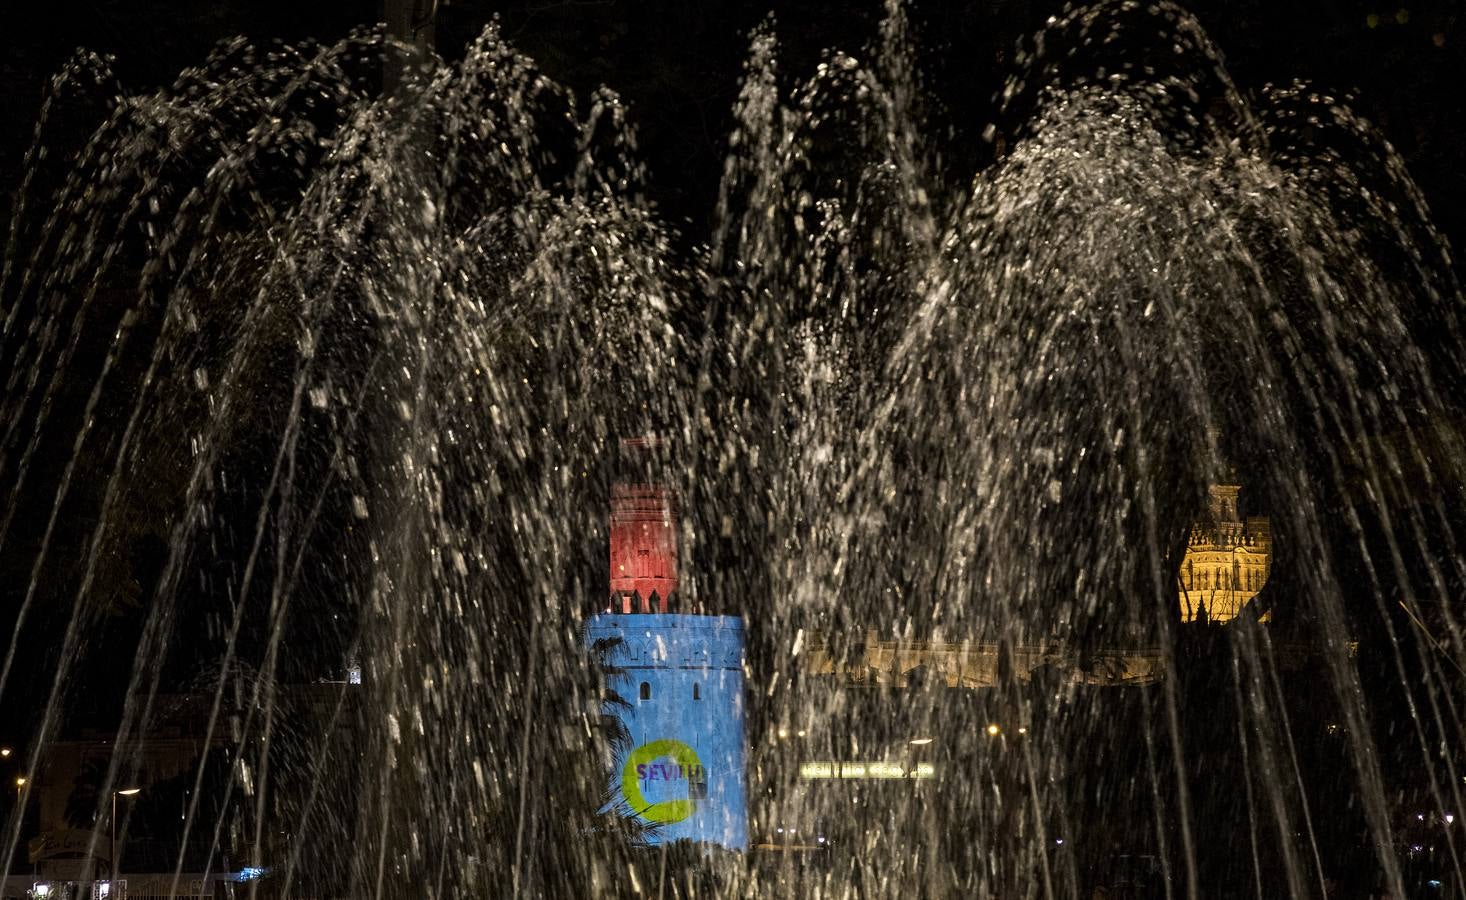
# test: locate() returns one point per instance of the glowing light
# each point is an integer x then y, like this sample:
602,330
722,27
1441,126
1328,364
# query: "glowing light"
1023,731
20,781
862,770
128,792
4,751
783,733
994,730
921,742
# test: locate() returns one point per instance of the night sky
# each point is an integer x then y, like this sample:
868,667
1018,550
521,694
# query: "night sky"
678,64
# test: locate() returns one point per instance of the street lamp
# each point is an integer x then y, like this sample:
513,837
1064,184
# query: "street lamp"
112,859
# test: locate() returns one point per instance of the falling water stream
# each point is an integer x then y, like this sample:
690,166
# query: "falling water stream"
359,362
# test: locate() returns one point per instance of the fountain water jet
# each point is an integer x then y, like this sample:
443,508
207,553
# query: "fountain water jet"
362,363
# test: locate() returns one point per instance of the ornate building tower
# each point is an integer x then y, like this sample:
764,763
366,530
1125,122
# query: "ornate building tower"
1227,560
684,678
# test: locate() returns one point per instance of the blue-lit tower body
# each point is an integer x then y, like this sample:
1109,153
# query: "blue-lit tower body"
685,768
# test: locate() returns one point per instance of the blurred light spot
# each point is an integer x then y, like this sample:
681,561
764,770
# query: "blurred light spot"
862,770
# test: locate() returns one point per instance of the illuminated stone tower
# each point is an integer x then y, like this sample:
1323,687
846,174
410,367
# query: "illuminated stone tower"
1227,560
684,680
644,522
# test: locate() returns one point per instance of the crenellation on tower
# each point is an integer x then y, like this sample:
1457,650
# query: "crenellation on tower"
644,522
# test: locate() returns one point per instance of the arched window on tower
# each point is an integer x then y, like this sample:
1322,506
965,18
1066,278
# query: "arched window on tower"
646,690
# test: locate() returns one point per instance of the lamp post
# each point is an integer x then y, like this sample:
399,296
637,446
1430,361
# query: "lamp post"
112,858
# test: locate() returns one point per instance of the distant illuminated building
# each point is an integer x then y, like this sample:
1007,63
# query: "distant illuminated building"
685,769
1227,560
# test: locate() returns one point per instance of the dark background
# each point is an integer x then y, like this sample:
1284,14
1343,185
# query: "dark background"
678,63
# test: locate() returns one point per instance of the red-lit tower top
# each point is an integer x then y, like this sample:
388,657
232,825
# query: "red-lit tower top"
644,523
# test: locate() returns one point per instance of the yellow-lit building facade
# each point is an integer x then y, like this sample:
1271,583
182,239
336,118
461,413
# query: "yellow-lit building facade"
1227,560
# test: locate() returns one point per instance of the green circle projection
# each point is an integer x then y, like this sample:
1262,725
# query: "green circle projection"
665,812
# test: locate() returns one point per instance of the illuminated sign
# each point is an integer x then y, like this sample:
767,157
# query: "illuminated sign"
861,770
662,767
